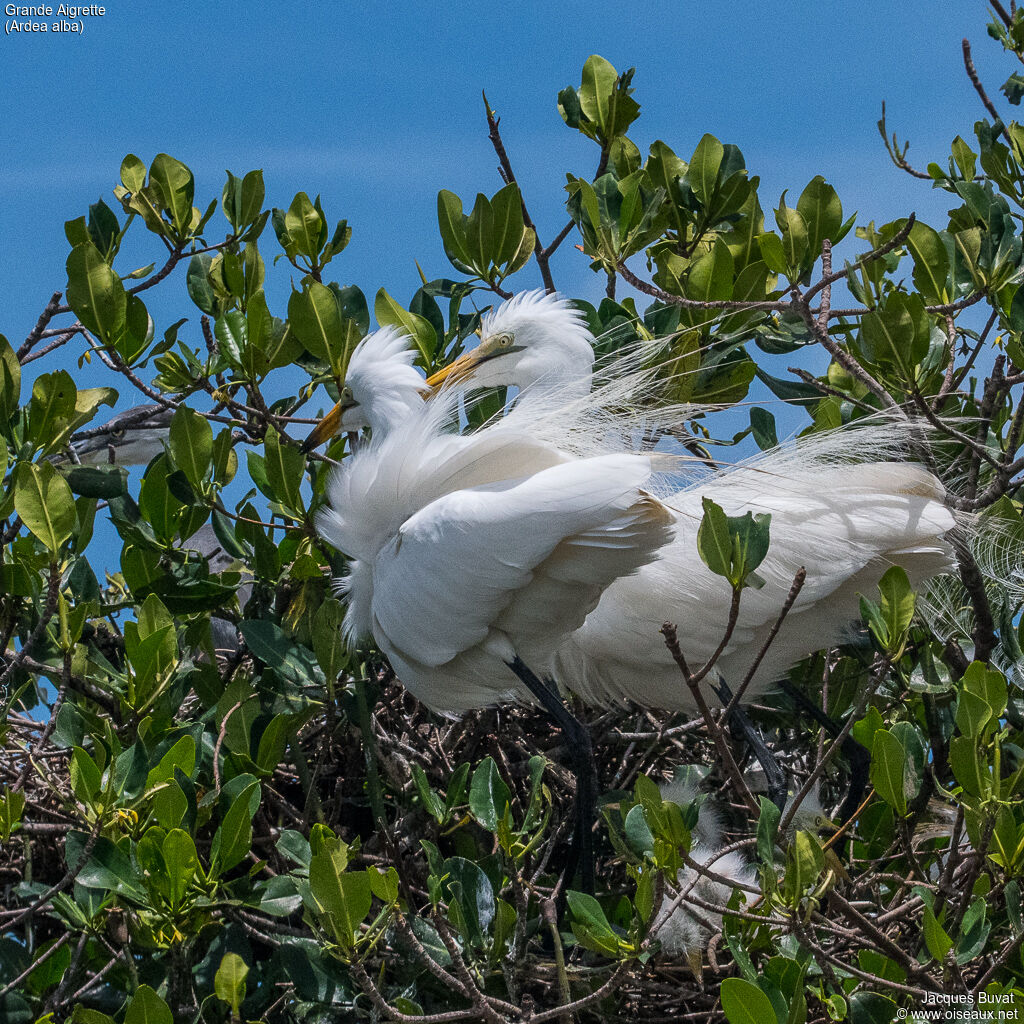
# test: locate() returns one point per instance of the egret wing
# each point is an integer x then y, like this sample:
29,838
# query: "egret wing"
482,551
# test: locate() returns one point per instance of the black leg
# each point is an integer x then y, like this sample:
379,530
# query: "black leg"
856,754
775,777
581,755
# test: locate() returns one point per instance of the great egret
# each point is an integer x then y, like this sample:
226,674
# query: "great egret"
381,388
685,926
471,558
844,520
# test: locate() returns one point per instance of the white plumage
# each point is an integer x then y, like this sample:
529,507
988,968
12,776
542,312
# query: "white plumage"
844,521
683,926
471,550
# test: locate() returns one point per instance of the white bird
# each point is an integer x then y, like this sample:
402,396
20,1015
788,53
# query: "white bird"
682,924
835,512
691,915
381,388
472,557
840,509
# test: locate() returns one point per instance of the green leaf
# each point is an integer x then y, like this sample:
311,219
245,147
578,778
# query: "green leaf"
772,252
86,776
384,884
328,642
93,482
44,501
191,444
147,1007
762,425
388,311
713,543
272,743
232,840
95,292
179,851
704,167
285,465
604,101
305,226
229,981
290,660
733,546
133,173
52,408
107,868
589,924
745,1003
896,605
931,262
888,770
10,380
767,829
346,897
177,189
472,903
970,771
822,213
314,316
935,937
488,794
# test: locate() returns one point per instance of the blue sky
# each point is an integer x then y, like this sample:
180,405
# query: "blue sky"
377,106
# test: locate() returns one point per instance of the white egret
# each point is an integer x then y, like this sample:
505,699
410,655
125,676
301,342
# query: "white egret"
682,924
844,521
381,388
685,926
472,557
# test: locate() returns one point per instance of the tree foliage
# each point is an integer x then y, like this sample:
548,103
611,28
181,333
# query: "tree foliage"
271,829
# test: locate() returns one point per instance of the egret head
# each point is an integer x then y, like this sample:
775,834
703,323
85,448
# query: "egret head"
381,388
810,816
130,438
532,340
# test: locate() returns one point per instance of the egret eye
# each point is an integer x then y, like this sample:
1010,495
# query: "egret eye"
346,394
117,432
504,340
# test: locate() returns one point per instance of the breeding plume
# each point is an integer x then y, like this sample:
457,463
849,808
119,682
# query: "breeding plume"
837,509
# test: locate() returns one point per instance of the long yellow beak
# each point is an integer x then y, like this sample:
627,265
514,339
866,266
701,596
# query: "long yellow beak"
325,429
462,368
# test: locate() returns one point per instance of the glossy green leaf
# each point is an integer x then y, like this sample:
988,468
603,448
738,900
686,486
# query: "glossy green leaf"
229,981
177,189
888,770
285,466
745,1003
345,896
488,794
232,840
180,858
44,501
95,292
704,167
191,444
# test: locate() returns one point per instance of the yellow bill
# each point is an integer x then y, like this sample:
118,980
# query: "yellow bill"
460,369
